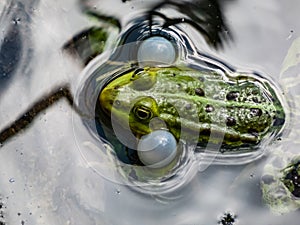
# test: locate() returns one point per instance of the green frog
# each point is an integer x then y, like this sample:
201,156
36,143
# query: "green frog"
241,110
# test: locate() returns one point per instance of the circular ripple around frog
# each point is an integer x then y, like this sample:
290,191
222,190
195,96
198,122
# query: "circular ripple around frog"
244,111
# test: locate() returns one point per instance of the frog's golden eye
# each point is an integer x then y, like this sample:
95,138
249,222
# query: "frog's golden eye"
143,113
144,109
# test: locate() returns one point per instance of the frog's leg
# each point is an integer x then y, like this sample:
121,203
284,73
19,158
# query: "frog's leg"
279,182
92,41
205,16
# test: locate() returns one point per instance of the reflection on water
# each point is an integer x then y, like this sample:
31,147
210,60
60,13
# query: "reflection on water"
54,185
15,48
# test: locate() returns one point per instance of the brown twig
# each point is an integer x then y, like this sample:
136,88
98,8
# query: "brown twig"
26,118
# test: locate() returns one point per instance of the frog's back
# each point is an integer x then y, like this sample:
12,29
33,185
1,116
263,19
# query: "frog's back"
244,109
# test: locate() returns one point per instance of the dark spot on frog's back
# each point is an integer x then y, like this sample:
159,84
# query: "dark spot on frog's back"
230,121
199,92
255,112
209,108
232,95
255,100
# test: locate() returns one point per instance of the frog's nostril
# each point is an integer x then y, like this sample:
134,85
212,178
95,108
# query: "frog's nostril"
156,49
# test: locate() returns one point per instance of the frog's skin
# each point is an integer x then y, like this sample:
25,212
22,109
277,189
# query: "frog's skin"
241,108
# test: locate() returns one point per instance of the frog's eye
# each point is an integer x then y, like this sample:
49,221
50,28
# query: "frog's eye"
142,80
144,109
142,112
137,73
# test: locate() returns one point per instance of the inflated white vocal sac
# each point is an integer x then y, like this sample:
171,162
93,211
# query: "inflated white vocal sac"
156,49
157,149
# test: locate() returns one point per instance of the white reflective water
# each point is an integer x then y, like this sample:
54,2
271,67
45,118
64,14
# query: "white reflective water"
52,183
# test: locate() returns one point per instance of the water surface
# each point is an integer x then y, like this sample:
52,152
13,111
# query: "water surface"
44,178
